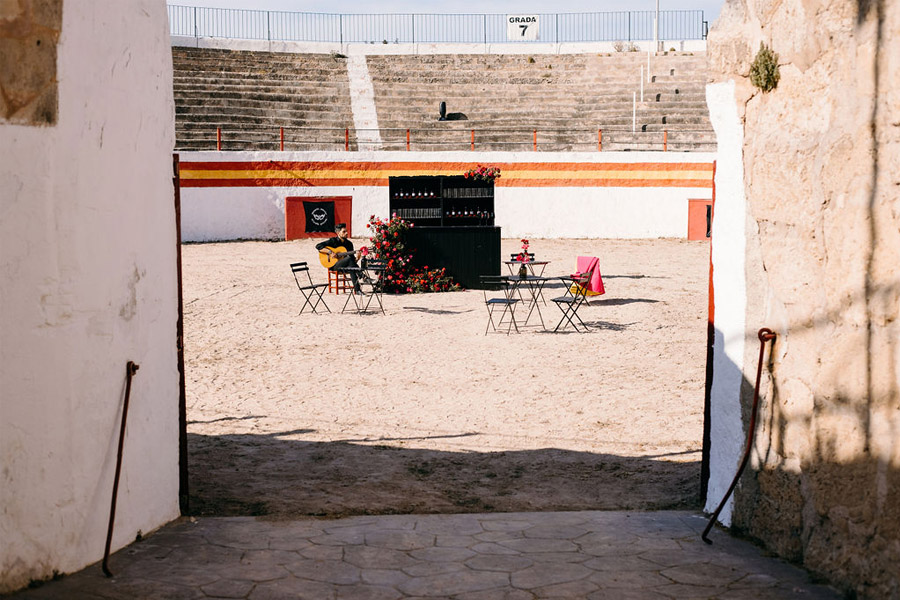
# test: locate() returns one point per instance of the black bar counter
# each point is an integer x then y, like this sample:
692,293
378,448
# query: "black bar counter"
466,252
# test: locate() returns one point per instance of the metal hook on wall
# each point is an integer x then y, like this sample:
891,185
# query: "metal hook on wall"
130,369
765,334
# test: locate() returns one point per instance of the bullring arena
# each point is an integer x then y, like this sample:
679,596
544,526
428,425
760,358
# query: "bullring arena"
737,383
420,411
556,422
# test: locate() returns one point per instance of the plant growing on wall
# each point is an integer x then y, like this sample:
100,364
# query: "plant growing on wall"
620,46
401,276
764,70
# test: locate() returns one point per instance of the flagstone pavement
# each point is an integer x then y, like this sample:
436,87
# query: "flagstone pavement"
498,556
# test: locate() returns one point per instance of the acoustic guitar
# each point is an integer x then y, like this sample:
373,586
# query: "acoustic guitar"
329,260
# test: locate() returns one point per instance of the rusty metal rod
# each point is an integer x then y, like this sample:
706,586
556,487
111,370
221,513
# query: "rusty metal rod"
765,334
130,370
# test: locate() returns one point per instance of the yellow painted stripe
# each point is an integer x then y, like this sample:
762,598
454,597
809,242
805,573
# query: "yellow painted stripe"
318,174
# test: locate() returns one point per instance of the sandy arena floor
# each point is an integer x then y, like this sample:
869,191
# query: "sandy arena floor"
417,411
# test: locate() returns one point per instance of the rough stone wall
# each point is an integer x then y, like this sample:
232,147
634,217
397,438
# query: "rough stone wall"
29,31
822,178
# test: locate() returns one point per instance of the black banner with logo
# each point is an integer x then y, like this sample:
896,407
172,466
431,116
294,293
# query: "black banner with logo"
319,217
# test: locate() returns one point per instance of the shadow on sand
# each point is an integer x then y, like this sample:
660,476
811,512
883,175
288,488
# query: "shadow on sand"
234,475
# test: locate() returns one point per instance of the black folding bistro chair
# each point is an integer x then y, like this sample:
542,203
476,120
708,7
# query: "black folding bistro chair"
576,295
507,301
312,292
374,281
370,283
515,256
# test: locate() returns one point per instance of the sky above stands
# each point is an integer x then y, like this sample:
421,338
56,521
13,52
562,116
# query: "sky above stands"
710,8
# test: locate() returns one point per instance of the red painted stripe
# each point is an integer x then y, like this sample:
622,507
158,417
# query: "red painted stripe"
281,182
223,183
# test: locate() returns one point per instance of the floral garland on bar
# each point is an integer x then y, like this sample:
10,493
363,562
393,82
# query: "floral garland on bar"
401,276
483,173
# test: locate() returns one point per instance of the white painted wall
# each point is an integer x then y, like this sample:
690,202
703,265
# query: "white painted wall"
216,214
729,282
88,282
594,212
358,48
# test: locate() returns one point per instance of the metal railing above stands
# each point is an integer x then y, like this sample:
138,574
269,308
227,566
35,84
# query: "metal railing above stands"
424,140
200,22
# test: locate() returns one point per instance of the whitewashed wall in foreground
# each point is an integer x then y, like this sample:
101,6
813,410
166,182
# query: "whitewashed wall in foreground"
257,212
728,256
88,282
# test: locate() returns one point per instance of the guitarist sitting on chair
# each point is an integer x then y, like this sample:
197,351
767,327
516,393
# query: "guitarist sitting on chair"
340,248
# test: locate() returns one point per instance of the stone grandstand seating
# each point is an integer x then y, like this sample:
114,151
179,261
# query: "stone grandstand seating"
567,98
250,95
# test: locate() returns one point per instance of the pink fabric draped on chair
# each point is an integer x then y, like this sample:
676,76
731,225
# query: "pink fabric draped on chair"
595,286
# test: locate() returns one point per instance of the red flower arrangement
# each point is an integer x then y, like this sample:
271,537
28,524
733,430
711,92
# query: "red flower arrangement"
523,255
483,173
401,276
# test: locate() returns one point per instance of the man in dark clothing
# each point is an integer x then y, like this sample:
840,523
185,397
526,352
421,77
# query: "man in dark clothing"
345,259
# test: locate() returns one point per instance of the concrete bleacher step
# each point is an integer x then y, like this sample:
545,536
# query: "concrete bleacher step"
237,120
269,93
221,99
589,90
255,108
290,111
262,85
250,95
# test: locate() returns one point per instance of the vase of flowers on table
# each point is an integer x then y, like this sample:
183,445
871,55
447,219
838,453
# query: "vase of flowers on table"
523,258
363,257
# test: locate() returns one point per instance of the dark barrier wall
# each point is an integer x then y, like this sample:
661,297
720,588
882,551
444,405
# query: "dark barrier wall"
466,252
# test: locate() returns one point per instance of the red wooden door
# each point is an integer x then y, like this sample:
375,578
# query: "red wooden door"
699,219
295,215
